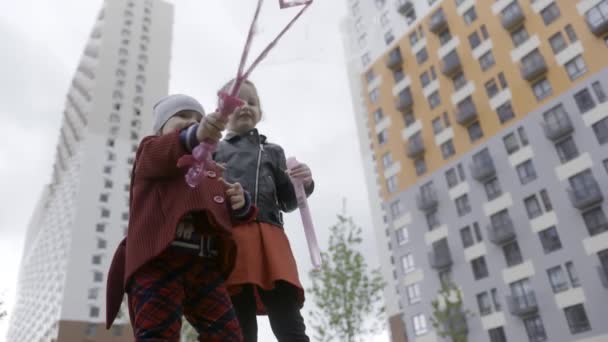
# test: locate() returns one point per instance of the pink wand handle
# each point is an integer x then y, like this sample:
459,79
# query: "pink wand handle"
309,229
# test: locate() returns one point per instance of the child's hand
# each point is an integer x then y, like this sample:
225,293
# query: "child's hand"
236,194
211,127
303,172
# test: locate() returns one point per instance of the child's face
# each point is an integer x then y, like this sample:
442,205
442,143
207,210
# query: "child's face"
181,120
247,116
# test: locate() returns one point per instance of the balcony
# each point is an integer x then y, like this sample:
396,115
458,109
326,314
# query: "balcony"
501,233
603,273
597,18
394,60
438,22
512,16
451,64
404,7
415,147
523,305
440,257
405,101
558,127
466,113
586,195
427,200
483,168
533,66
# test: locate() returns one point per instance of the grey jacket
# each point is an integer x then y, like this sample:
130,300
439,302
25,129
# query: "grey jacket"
260,167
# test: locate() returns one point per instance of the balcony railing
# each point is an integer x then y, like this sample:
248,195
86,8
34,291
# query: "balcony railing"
587,195
483,168
603,273
405,101
523,305
438,22
533,67
394,60
512,16
440,257
466,113
597,18
501,233
451,64
558,128
415,147
404,6
427,200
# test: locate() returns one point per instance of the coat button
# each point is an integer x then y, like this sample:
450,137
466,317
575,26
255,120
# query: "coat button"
211,174
218,199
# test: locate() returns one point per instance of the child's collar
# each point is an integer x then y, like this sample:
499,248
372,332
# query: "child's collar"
233,135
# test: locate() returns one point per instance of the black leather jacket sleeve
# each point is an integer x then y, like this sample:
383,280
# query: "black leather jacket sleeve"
285,190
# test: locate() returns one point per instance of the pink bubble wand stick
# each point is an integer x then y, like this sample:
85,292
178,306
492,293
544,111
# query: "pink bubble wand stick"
309,229
230,101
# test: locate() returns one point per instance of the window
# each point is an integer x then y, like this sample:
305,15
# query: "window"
383,137
467,237
407,263
576,67
105,213
459,80
526,172
413,293
512,254
549,239
595,221
408,118
397,209
484,304
432,220
511,143
461,172
475,132
550,13
542,89
577,319
495,300
480,269
366,59
103,198
598,89
484,32
451,178
474,40
446,119
463,206
571,33
444,36
93,293
434,100
493,189
391,184
125,216
97,276
505,112
425,79
370,75
533,207
603,256
487,61
519,36
420,166
378,115
557,279
420,327
470,15
374,95
437,125
100,227
101,243
600,129
389,37
584,101
535,329
413,38
566,149
522,136
605,162
491,88
422,56
387,160
544,196
503,81
94,311
497,335
447,149
108,184
96,259
557,42
572,274
402,236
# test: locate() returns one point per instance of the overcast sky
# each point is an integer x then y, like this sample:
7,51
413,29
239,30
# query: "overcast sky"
303,89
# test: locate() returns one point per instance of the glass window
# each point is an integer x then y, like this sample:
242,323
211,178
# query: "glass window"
402,236
491,88
484,304
407,263
511,143
434,100
572,274
550,13
459,81
542,89
544,196
447,149
387,160
374,95
533,207
391,184
422,56
523,137
437,125
444,36
497,335
526,172
493,189
576,67
432,220
598,89
475,132
505,112
477,232
383,137
420,327
451,177
600,129
557,279
577,319
470,15
467,237
484,32
463,206
474,40
413,293
519,36
420,166
487,61
94,311
566,149
480,269
378,115
595,221
424,79
503,81
584,101
571,33
535,329
549,239
512,254
557,42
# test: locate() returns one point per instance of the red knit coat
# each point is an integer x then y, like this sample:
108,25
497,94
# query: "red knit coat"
160,198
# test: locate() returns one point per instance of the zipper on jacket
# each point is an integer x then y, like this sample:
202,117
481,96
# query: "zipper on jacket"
257,175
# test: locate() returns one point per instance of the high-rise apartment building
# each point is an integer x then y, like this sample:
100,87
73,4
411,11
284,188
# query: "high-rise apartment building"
83,213
484,129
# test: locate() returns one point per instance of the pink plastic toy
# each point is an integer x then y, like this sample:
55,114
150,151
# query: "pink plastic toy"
230,101
309,229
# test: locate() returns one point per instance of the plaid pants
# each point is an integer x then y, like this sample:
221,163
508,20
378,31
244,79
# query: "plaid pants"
177,283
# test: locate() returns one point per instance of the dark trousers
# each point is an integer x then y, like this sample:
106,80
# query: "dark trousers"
283,312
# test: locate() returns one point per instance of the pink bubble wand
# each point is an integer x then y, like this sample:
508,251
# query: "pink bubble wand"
309,229
230,101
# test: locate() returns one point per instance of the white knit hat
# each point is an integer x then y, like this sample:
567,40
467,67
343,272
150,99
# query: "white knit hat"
171,105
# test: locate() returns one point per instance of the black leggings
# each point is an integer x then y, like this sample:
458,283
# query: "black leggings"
283,312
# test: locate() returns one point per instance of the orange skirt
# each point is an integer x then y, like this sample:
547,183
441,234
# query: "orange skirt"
263,257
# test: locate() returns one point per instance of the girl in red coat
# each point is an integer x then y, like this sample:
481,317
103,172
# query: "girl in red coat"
265,278
179,248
